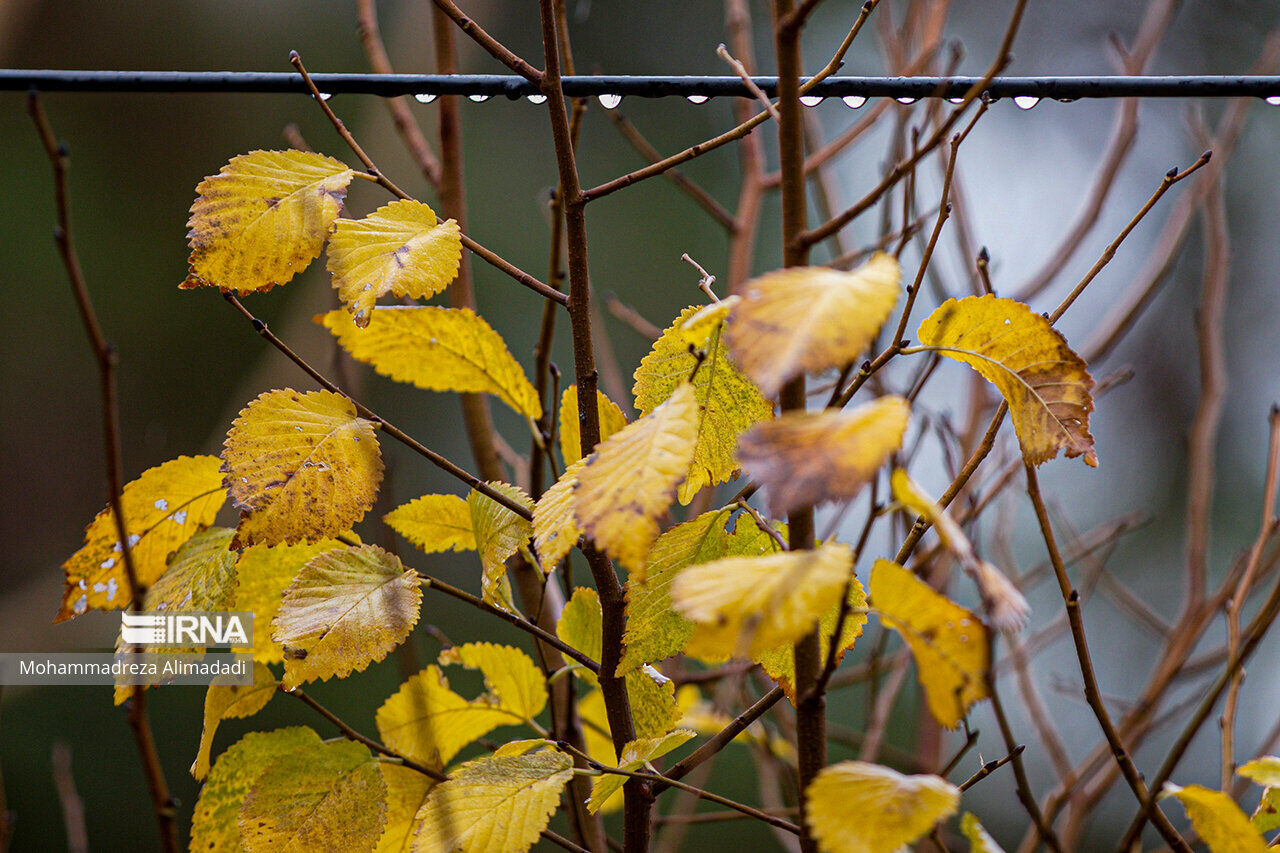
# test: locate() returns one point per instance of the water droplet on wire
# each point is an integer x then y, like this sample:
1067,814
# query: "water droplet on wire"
811,100
1273,100
1026,102
697,99
955,100
853,102
907,99
538,99
479,99
424,98
324,96
609,101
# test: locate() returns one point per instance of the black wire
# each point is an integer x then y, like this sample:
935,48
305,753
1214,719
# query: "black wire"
388,85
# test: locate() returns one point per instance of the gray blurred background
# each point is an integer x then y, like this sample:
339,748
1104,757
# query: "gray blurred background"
188,363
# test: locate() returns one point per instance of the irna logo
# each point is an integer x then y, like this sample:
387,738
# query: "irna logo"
187,628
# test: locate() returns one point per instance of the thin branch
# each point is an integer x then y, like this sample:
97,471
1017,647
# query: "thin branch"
1071,598
351,734
64,782
904,166
730,135
491,45
741,71
401,116
991,767
700,196
722,738
105,354
1043,827
386,426
511,619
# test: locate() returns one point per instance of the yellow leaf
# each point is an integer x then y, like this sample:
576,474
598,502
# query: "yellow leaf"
213,825
805,458
729,402
780,663
856,807
555,527
438,349
514,683
949,643
655,630
498,804
808,319
300,467
654,712
1047,386
635,756
1265,771
345,610
263,219
407,792
1004,603
326,796
400,248
226,701
1220,822
611,420
980,841
163,508
499,533
434,523
428,722
746,606
264,574
631,479
581,626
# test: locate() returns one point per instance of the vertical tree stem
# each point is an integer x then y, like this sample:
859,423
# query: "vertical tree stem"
638,797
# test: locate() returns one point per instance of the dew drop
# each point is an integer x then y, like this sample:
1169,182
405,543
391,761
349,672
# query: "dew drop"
99,587
180,517
955,100
1273,100
134,538
811,100
609,101
853,102
112,588
161,504
906,100
424,98
117,548
479,99
81,605
653,673
324,96
107,563
82,584
538,99
1026,102
697,99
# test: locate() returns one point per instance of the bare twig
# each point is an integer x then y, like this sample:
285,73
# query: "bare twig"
491,45
69,798
105,355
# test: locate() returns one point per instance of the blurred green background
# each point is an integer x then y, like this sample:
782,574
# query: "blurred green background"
188,363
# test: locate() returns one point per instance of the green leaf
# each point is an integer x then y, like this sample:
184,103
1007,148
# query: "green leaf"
581,626
214,826
635,756
326,796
